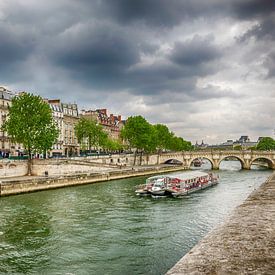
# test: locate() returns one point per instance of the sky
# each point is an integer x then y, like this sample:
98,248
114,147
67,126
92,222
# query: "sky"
206,69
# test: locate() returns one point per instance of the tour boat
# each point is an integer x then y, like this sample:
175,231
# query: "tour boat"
177,185
198,162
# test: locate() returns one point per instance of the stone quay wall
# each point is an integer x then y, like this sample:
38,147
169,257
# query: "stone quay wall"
36,183
13,168
244,244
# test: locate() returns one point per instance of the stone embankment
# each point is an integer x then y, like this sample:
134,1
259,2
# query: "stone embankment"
244,244
24,184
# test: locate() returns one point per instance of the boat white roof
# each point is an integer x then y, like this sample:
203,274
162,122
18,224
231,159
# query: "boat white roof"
183,176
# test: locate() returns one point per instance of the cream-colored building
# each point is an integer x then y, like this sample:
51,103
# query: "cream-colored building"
7,147
57,113
66,117
70,119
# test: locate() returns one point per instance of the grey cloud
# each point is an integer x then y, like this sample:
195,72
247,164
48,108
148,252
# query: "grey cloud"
270,64
248,9
194,52
265,29
157,51
97,54
161,13
13,45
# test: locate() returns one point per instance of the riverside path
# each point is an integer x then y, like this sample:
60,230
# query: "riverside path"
244,244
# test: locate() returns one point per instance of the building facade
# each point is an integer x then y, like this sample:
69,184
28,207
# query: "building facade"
7,147
70,119
112,124
57,113
66,116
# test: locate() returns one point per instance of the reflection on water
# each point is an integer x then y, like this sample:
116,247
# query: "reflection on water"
105,229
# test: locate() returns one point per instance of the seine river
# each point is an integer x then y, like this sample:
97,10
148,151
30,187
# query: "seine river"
105,229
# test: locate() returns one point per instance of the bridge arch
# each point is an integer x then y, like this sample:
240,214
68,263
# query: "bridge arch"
270,162
201,157
243,166
173,161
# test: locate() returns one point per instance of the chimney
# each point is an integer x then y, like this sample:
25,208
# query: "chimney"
104,111
112,118
119,118
54,101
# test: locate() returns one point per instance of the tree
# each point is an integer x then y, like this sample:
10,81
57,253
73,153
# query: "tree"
113,145
83,131
140,134
30,123
237,147
266,143
87,131
163,136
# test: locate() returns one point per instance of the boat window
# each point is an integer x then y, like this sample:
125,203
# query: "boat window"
158,184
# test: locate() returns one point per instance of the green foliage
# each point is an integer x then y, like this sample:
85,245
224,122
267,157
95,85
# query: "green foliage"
237,147
179,144
30,123
266,143
163,136
143,136
87,131
113,145
139,133
82,129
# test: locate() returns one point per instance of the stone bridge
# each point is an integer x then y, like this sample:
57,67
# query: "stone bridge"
246,158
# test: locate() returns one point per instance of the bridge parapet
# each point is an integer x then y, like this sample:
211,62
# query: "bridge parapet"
246,157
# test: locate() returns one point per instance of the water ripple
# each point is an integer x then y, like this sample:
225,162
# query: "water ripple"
104,228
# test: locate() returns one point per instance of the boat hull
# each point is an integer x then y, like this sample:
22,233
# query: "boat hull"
193,190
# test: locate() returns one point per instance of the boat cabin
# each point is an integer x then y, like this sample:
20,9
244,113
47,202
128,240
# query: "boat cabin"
181,180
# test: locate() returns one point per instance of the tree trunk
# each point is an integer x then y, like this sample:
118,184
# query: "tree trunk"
159,152
135,157
147,158
140,158
29,163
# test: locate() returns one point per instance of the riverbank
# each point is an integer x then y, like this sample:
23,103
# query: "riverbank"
244,244
25,184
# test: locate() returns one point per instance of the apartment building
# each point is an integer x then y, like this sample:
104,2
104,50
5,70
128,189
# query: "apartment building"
57,113
7,147
70,119
112,124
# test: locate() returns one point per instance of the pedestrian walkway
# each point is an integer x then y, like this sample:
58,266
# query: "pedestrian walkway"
244,244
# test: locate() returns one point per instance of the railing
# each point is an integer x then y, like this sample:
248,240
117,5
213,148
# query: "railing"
223,152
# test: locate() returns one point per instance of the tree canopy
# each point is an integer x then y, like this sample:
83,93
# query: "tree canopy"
140,134
31,124
266,143
89,133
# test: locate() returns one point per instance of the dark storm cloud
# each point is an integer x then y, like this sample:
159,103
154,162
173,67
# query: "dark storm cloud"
263,11
98,54
92,48
143,53
194,52
14,46
263,31
161,13
248,9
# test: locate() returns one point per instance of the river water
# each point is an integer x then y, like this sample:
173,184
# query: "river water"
104,228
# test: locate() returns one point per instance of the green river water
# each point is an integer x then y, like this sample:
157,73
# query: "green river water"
105,228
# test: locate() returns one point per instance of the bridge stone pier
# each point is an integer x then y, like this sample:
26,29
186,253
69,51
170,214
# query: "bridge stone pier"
246,158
